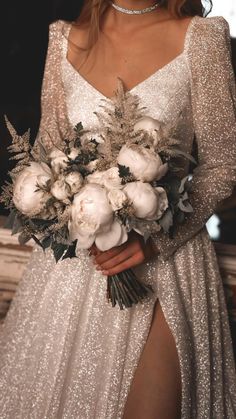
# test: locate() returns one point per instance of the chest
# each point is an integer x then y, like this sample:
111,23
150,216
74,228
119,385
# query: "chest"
132,58
165,94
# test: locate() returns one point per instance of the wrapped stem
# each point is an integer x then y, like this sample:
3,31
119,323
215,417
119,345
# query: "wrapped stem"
126,290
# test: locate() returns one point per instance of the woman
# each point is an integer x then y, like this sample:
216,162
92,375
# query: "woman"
65,353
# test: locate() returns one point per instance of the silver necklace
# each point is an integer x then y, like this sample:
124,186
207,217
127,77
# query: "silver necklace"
133,11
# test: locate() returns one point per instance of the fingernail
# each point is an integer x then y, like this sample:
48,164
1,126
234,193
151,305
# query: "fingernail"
105,272
98,268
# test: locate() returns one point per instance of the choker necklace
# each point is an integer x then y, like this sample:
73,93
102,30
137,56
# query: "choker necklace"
133,11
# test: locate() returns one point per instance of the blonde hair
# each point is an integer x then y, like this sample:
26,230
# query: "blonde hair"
93,10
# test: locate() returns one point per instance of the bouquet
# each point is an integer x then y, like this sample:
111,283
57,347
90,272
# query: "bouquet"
97,187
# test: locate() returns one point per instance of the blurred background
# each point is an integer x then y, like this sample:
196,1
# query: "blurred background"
23,45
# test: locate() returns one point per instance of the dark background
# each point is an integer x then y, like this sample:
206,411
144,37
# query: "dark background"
23,46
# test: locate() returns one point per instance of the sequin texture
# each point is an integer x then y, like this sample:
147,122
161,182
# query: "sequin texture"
65,352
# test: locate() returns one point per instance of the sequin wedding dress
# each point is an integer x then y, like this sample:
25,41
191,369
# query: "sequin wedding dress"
65,352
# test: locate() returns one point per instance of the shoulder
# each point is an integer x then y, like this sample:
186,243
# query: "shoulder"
216,23
208,32
208,41
57,29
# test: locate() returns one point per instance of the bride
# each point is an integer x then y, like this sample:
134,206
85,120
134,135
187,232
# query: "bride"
65,352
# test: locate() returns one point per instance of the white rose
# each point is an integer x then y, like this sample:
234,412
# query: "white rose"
112,179
152,126
58,160
92,165
148,124
26,197
66,186
144,164
162,201
148,202
75,181
117,198
92,220
74,152
109,178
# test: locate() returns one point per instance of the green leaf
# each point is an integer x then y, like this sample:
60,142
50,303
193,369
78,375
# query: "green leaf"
78,142
185,206
24,237
78,127
10,219
58,250
17,225
124,171
43,153
36,240
166,221
46,242
70,253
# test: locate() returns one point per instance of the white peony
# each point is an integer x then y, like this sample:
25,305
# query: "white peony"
26,196
117,198
58,160
144,164
149,203
92,220
109,178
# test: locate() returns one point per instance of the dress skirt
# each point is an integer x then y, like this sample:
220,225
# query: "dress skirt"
67,354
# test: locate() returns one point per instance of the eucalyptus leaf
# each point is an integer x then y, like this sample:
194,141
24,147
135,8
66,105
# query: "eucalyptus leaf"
43,153
146,236
185,206
166,221
184,154
180,217
124,171
41,224
78,142
17,225
58,250
46,242
37,241
183,184
10,219
24,237
79,127
70,253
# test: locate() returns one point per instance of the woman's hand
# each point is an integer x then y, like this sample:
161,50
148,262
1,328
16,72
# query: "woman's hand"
132,253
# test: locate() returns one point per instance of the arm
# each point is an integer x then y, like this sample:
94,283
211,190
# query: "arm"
213,99
53,111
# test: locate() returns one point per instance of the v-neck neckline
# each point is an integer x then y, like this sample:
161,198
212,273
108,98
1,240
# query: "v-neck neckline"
138,85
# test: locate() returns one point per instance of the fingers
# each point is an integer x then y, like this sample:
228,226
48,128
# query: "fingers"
108,254
118,258
132,261
115,251
125,256
94,251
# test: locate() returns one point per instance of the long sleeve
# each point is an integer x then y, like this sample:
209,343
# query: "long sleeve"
54,121
213,99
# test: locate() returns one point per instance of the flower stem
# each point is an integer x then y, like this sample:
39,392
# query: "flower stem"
126,290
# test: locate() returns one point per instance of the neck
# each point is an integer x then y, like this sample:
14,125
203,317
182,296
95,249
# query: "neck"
134,4
118,19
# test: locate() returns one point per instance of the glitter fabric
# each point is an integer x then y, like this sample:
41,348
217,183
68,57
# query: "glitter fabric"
65,352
